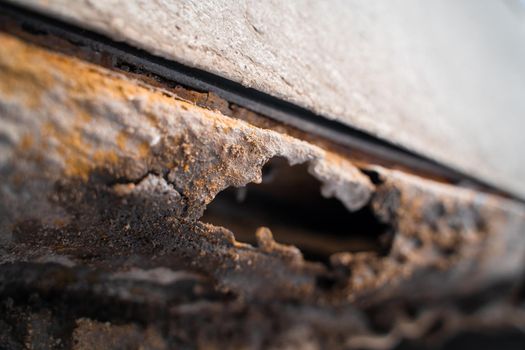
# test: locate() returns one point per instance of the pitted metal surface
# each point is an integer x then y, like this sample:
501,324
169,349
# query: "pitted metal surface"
105,178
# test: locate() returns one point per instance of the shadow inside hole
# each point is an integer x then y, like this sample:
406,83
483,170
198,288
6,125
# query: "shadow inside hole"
289,202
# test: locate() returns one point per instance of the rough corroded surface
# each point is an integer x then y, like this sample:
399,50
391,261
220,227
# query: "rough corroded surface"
103,182
426,75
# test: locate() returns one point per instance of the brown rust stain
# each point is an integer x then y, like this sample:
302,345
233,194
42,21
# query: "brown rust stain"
122,140
17,81
26,143
76,82
359,157
81,156
361,273
23,74
143,149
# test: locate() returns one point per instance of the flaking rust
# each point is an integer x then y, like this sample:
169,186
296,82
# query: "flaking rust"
104,179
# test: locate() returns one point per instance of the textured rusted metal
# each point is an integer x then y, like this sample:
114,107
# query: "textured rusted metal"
105,178
215,92
439,79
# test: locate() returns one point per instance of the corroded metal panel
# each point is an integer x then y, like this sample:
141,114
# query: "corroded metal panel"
105,179
441,78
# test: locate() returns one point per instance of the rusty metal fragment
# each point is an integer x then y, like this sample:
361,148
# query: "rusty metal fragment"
105,179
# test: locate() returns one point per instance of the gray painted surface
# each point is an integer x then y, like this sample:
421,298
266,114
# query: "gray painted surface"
444,78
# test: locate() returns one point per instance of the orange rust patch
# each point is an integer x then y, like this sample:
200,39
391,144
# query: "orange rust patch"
70,145
72,87
22,72
26,143
19,78
80,156
24,76
122,140
143,149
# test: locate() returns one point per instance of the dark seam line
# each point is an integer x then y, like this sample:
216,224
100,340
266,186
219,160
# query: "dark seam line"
257,101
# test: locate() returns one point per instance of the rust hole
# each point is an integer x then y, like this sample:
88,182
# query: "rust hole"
289,202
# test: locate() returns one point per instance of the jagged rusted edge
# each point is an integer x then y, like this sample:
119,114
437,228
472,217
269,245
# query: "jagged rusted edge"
102,172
